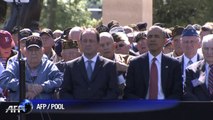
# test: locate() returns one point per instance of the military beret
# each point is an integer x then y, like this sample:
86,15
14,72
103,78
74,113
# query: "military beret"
189,31
69,44
177,31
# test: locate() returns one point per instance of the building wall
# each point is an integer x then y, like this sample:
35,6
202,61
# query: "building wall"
127,11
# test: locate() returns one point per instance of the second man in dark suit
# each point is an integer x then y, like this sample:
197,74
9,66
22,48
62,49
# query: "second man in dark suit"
199,76
154,75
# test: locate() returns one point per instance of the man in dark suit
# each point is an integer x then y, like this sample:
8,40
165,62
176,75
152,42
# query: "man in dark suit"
90,76
199,76
190,42
154,75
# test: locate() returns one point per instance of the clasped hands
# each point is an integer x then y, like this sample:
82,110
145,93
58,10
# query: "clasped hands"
33,90
121,66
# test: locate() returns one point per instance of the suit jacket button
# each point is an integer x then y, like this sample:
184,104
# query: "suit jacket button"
89,88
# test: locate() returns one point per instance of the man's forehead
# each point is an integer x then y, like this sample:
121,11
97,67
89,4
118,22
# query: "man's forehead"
208,44
71,50
88,31
190,38
106,41
45,36
105,38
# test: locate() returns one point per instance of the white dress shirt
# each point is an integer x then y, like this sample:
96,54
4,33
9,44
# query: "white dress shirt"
186,60
158,63
94,59
207,69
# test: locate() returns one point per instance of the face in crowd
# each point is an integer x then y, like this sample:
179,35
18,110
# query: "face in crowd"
34,51
107,45
6,44
122,44
207,48
155,40
70,54
177,45
47,40
89,42
141,40
190,44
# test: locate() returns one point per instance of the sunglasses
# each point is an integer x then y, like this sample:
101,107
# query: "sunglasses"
205,29
120,45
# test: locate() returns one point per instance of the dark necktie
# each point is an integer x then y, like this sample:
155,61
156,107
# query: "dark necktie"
190,62
210,80
89,69
153,83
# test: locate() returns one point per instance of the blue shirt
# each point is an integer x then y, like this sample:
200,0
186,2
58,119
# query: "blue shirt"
47,75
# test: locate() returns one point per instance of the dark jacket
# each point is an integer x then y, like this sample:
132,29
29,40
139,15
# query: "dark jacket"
103,84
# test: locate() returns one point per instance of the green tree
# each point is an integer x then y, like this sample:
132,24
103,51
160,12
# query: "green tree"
60,14
182,12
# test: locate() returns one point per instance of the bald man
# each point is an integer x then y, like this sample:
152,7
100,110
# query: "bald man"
107,49
75,34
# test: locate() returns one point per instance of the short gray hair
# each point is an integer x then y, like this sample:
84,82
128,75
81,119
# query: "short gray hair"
106,34
207,38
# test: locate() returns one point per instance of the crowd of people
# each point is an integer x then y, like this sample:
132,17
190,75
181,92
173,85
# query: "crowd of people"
109,62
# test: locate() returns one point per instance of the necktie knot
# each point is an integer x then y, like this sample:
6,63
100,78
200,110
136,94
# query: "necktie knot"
190,62
89,62
154,59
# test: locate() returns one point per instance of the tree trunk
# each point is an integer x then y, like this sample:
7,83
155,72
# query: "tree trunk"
52,13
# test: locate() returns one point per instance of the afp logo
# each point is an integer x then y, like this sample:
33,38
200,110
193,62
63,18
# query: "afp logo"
24,107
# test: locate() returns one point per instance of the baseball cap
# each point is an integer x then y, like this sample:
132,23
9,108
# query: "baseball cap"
33,41
6,39
24,33
46,31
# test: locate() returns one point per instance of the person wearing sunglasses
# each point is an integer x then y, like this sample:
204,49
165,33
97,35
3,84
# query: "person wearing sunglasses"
122,46
107,50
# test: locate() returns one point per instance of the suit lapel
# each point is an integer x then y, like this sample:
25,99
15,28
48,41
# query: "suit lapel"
164,72
82,68
98,66
202,76
182,66
146,70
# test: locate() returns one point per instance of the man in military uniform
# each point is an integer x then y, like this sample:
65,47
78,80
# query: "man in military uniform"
69,51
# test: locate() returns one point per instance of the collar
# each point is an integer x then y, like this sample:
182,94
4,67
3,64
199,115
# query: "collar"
193,59
158,57
207,67
93,59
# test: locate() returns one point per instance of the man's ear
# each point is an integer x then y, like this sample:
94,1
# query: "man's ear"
42,50
114,45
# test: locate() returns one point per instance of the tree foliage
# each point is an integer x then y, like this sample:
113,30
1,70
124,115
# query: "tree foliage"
68,13
182,12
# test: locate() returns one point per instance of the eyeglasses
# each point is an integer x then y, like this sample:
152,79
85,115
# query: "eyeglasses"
205,29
